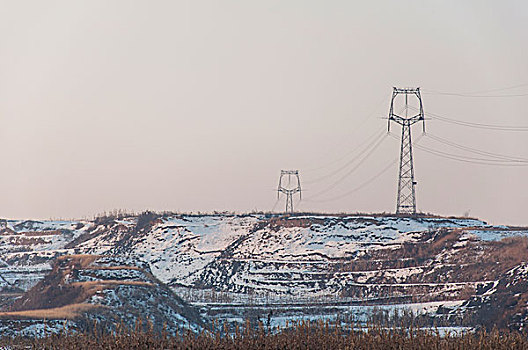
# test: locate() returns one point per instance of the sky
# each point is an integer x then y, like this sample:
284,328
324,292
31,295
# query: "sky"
198,105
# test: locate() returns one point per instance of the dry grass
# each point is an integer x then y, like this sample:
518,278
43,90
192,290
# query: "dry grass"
42,233
120,267
54,292
64,312
23,240
301,336
279,223
82,260
103,283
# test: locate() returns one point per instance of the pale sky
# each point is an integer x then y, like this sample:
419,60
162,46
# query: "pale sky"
198,105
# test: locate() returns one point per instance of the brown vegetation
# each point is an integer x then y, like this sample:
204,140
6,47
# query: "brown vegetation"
42,233
78,260
91,284
64,312
278,223
119,267
300,336
441,256
59,289
25,241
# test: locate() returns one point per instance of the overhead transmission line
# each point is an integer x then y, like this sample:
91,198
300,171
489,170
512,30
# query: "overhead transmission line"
477,125
366,183
478,96
361,161
358,127
476,151
470,159
495,159
376,140
494,90
369,149
480,93
372,140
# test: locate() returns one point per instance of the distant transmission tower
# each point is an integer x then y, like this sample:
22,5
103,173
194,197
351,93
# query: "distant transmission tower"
406,202
289,189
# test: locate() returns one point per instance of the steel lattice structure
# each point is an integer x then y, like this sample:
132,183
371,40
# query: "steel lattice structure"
406,201
289,190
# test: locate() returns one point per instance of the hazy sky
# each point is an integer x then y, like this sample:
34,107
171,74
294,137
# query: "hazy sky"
198,105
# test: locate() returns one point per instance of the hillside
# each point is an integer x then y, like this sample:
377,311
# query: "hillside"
272,268
86,288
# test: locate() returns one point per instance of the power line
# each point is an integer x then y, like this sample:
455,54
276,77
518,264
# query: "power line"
476,151
477,125
473,160
500,160
478,96
364,184
337,182
481,93
372,143
344,156
341,142
496,89
377,137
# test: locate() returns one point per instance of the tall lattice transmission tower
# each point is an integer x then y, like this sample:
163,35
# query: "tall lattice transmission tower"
289,187
406,202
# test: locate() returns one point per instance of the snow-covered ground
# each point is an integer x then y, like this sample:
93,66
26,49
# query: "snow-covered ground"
259,259
496,234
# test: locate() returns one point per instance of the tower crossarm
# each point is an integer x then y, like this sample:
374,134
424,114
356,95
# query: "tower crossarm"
406,121
288,189
292,191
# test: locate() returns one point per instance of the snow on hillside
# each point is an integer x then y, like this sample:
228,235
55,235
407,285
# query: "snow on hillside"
379,260
332,237
29,247
180,247
496,234
31,236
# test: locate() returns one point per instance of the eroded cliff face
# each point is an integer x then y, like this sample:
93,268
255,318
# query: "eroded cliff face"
271,268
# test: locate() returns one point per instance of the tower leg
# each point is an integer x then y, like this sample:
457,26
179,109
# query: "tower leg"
289,203
406,201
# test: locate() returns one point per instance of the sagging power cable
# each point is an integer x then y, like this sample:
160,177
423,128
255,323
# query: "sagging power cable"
476,125
367,182
358,127
363,185
476,151
481,93
473,160
372,141
337,182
